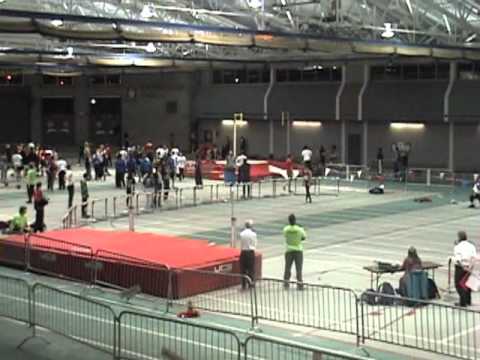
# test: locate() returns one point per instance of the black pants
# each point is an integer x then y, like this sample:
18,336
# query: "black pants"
473,197
465,294
308,196
70,190
61,180
30,192
246,191
39,225
247,266
50,180
290,258
181,174
119,179
84,206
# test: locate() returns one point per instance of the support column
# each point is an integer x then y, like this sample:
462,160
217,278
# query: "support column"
447,118
366,82
265,110
338,115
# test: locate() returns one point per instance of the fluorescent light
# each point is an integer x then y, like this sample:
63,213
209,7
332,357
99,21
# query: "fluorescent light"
409,5
308,124
447,23
388,33
407,126
471,38
57,22
231,122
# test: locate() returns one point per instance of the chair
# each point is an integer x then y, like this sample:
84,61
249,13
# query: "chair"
417,285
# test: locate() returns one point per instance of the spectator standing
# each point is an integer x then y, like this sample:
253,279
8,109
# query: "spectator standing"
380,161
244,175
62,170
307,178
120,170
289,166
17,161
181,162
85,195
31,180
248,244
198,172
87,152
229,173
39,203
463,254
70,185
294,237
475,193
323,157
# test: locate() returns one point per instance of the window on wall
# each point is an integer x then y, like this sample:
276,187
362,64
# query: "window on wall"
316,73
105,80
240,76
430,71
469,71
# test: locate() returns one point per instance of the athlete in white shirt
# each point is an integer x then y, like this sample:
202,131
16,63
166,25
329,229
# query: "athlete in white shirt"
475,193
248,244
307,157
62,168
463,256
181,163
17,161
70,185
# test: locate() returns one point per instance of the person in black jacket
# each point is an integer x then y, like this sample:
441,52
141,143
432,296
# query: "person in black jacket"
244,175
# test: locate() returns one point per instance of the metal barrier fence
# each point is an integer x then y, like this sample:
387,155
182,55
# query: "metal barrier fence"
263,347
214,291
424,325
148,202
76,317
317,306
15,299
149,337
139,335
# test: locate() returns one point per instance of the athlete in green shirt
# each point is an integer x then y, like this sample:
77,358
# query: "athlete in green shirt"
294,237
19,223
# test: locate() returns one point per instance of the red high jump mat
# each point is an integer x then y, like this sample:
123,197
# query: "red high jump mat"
158,263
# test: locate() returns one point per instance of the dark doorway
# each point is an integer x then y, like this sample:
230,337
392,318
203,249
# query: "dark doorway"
354,149
58,121
106,120
15,118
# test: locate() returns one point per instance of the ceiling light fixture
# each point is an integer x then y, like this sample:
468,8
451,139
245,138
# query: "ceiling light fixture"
148,11
232,122
407,126
70,52
409,5
447,24
471,38
151,48
57,22
308,124
388,32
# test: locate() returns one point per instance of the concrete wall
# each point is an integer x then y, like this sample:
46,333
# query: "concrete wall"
144,115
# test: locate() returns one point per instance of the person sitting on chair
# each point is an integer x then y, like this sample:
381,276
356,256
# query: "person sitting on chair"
475,193
411,263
